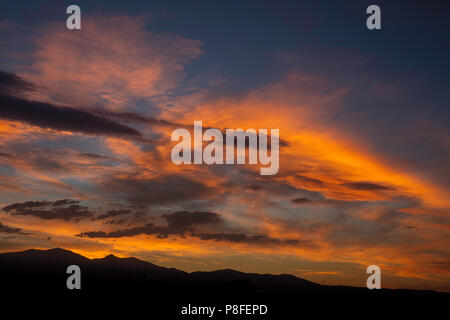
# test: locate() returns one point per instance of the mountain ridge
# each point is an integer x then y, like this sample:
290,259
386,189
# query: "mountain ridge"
113,258
133,271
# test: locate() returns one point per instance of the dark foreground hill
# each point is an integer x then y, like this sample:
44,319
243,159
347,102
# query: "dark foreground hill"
40,276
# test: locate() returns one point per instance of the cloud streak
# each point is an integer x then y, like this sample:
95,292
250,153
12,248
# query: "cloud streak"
61,209
11,230
61,118
183,223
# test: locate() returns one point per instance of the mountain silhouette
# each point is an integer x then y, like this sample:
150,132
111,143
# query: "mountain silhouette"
53,263
49,267
40,275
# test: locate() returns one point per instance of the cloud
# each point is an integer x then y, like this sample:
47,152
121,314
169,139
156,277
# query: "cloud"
87,120
327,202
148,229
309,182
300,201
61,118
181,220
182,223
48,210
26,205
5,155
94,156
243,238
178,223
6,229
113,213
65,202
112,68
164,232
163,189
73,212
365,186
12,83
135,117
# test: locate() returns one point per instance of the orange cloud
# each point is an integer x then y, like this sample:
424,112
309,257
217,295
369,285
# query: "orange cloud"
112,62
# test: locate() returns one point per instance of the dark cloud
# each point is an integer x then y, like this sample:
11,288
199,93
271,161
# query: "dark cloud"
113,213
26,205
5,155
10,82
92,156
148,229
392,217
181,220
243,238
73,212
95,156
65,202
267,184
61,118
254,187
164,232
94,234
159,190
6,229
365,186
300,201
116,221
178,223
328,202
47,115
65,209
309,181
135,117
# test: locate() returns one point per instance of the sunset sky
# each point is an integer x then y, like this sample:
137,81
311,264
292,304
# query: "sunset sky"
86,118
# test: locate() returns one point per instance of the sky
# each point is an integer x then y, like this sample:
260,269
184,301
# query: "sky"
86,118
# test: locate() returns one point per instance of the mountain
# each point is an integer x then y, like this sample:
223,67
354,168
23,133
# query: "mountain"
44,258
259,281
50,266
40,276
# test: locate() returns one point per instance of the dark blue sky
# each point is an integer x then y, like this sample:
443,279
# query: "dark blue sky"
241,37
